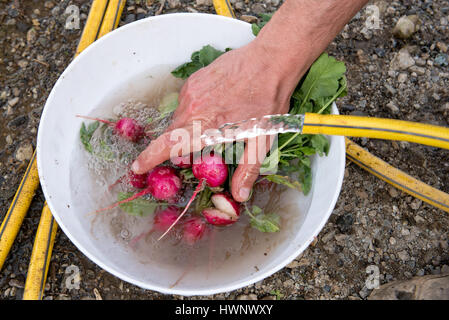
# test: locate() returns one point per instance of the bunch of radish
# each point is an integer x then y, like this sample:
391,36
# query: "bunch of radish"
163,183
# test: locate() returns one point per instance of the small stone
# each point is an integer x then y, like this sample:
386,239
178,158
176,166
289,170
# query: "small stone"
445,269
24,152
328,236
204,2
403,255
49,4
10,22
442,47
55,11
402,77
416,204
345,222
441,60
22,63
247,297
248,18
8,139
16,283
130,18
418,70
402,60
258,8
13,12
406,26
419,219
393,192
392,241
393,108
31,35
13,102
240,5
173,4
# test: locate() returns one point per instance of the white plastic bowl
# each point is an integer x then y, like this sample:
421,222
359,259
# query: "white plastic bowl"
113,70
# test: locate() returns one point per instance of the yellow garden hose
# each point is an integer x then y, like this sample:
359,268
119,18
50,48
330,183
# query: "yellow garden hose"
18,209
98,23
40,257
389,129
367,161
224,8
93,24
396,177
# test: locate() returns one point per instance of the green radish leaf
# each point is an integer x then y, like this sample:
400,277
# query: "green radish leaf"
204,200
138,207
256,27
263,222
86,134
320,144
187,174
168,104
208,54
285,180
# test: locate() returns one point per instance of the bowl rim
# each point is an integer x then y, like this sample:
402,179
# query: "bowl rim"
166,290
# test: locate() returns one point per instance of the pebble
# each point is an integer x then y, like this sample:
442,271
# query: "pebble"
22,63
247,297
258,8
402,60
403,255
10,22
31,35
49,4
392,241
441,60
393,108
24,152
406,26
402,77
248,18
418,70
204,2
173,4
442,47
13,101
130,18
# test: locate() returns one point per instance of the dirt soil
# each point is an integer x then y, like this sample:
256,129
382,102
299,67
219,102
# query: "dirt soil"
373,224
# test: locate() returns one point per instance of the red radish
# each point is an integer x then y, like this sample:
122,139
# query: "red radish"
161,222
183,162
127,128
163,184
139,181
198,188
218,218
164,219
225,203
193,230
212,169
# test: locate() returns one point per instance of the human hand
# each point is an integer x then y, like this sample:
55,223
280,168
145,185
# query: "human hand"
241,84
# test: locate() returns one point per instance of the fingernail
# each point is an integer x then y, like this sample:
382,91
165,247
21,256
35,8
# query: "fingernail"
244,193
135,167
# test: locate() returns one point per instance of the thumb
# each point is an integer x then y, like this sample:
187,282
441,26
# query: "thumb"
243,181
248,169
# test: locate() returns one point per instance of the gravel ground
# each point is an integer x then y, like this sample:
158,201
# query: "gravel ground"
373,224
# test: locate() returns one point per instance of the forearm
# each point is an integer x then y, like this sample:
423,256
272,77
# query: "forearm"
301,30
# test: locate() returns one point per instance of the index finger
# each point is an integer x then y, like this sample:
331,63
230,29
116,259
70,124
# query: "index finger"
173,143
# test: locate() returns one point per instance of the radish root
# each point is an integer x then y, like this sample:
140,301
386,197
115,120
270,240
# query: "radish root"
199,187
